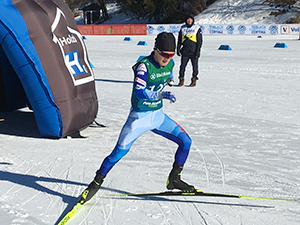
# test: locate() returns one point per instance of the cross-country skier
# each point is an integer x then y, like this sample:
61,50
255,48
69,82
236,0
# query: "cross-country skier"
150,77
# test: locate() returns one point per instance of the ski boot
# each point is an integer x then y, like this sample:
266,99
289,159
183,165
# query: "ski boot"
174,181
92,189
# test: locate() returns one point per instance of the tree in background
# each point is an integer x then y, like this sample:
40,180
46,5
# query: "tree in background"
74,4
160,11
163,11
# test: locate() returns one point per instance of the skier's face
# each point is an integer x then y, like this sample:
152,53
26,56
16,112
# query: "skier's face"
189,21
163,57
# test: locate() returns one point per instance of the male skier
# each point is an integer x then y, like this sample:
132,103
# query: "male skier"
151,74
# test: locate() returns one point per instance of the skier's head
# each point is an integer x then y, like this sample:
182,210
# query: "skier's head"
165,42
164,48
189,20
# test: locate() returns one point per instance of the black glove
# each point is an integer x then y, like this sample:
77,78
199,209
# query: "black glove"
178,53
197,55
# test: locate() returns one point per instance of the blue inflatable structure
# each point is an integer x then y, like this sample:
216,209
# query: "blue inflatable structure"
44,64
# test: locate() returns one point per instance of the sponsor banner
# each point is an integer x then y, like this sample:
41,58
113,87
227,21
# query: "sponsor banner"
207,29
230,29
287,29
117,29
241,29
154,29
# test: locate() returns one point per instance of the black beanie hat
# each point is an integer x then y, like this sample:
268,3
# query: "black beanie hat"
189,16
165,42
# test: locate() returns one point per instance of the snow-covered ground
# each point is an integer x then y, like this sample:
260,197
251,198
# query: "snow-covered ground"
243,118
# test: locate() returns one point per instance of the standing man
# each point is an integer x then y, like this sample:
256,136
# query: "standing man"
150,77
188,47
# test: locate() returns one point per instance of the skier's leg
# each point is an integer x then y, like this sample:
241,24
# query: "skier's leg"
174,132
135,126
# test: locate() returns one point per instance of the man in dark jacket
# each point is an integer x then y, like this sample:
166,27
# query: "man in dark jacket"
188,47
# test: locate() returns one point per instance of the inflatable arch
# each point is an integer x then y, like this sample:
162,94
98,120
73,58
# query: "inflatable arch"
44,61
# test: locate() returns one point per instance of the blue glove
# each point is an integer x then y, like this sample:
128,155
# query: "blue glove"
168,95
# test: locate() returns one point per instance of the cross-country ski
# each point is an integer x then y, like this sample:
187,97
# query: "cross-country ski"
70,214
203,194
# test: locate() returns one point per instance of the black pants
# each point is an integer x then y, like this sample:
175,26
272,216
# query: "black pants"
184,60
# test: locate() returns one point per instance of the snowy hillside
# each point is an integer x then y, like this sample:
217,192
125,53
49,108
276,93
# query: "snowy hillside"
221,12
242,11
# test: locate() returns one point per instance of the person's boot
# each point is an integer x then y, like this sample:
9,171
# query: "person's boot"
174,181
92,189
193,82
181,82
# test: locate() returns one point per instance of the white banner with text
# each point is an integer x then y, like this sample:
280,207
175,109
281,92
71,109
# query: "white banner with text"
230,29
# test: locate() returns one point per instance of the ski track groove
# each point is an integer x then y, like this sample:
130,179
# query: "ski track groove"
49,205
56,183
15,184
30,199
200,214
20,159
47,171
34,165
179,211
92,208
104,214
107,216
51,166
112,205
189,216
162,212
205,164
69,168
61,175
222,166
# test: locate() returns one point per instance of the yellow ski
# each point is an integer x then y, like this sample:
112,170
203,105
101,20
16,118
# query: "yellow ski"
70,214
